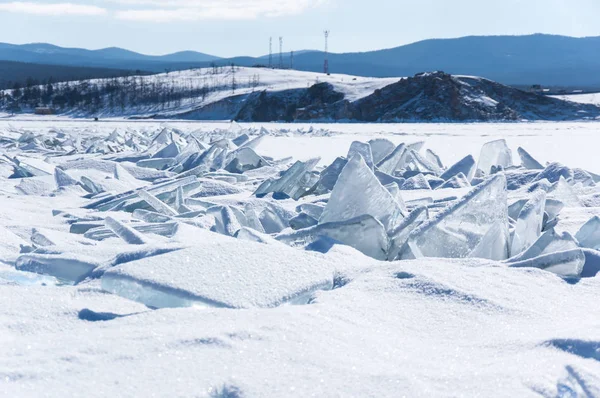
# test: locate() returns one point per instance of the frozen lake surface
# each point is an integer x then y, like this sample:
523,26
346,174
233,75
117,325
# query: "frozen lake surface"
139,258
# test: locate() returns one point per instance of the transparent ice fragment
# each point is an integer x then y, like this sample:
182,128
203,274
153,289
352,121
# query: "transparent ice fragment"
554,171
313,210
62,179
125,232
358,192
252,218
226,221
588,235
302,221
416,182
582,177
328,177
150,216
417,162
494,244
381,148
458,229
245,159
529,223
169,151
167,229
294,181
157,204
567,264
465,166
528,161
458,181
254,236
434,158
391,162
562,191
362,149
399,236
494,153
549,242
364,233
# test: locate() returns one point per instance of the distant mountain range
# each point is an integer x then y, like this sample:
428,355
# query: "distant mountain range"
516,60
113,57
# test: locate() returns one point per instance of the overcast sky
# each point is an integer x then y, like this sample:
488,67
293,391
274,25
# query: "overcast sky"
243,27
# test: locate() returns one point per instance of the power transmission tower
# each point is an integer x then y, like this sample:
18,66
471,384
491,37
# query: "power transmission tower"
270,52
326,63
280,52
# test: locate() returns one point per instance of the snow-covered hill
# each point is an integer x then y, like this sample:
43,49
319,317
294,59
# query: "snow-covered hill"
266,95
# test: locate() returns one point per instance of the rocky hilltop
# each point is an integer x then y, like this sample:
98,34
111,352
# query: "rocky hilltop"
435,96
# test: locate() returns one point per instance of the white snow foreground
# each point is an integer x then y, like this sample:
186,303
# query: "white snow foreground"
154,249
224,273
409,326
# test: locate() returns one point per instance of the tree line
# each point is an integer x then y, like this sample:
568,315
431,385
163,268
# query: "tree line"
130,93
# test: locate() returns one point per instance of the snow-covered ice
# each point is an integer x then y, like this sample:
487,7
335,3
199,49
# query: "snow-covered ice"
214,259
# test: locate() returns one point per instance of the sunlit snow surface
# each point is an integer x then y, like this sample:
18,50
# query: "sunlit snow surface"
263,319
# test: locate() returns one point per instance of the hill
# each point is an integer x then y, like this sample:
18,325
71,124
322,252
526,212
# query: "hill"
21,73
265,95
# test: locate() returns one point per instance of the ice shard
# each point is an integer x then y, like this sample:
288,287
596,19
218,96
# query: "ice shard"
359,192
399,236
417,162
458,181
62,179
157,204
254,236
381,148
494,245
494,153
457,230
125,232
226,220
293,182
416,182
328,177
313,210
588,235
583,177
364,233
529,223
167,229
362,149
391,162
126,177
528,161
245,159
252,218
549,242
302,221
465,166
568,264
150,216
562,191
554,171
434,158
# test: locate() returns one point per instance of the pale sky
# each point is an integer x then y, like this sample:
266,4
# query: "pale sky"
242,27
